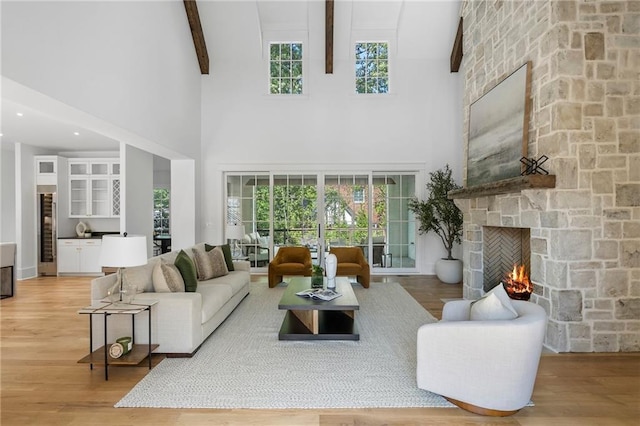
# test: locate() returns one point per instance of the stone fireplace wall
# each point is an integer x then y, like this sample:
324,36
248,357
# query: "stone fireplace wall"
585,116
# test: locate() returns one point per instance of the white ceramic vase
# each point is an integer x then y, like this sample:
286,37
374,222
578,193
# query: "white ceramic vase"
449,271
330,268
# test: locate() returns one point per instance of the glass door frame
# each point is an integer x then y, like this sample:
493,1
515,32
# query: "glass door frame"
370,172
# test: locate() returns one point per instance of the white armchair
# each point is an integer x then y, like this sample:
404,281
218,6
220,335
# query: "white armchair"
486,367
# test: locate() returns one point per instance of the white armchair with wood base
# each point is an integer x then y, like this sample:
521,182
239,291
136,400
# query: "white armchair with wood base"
485,366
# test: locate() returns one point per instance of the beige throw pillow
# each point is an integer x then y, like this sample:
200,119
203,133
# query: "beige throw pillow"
496,305
141,276
167,278
209,264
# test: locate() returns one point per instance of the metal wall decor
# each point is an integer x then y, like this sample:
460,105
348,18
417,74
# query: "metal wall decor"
533,166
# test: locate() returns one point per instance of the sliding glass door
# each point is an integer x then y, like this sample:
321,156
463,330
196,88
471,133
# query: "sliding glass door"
346,210
324,210
249,205
394,239
295,212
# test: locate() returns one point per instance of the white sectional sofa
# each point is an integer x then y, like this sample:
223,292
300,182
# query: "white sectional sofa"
180,321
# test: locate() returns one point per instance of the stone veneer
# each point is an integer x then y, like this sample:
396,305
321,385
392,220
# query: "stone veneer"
585,116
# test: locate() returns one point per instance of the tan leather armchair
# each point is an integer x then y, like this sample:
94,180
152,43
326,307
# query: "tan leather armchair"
351,261
289,261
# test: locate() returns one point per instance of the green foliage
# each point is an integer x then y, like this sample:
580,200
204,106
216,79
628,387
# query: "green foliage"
161,211
438,213
372,68
295,213
286,68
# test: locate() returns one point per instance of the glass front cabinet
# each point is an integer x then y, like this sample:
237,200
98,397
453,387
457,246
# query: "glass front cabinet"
94,188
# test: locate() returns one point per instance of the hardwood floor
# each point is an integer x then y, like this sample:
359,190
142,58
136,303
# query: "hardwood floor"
42,383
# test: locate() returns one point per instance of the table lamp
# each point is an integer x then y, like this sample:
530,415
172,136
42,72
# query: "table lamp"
122,251
235,233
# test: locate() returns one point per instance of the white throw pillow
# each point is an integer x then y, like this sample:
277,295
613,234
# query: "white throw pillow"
167,278
496,305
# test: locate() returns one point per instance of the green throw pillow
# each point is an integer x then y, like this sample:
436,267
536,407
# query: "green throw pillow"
226,250
188,271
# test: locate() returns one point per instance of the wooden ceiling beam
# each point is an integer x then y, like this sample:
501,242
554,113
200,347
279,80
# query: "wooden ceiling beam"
193,16
328,37
456,52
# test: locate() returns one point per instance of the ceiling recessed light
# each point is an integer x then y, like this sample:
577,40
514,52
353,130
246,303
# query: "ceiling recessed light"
19,114
76,133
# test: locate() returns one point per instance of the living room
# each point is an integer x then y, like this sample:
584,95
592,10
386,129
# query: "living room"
225,121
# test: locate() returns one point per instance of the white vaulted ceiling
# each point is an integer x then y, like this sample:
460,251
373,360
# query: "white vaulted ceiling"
423,28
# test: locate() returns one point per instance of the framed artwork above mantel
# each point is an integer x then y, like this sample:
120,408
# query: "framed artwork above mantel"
499,130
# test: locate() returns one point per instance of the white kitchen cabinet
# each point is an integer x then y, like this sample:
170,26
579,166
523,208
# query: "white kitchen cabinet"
78,256
46,169
78,168
94,188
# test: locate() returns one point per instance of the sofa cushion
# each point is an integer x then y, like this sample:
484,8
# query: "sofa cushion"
187,270
226,250
235,280
214,296
140,275
210,264
167,278
496,305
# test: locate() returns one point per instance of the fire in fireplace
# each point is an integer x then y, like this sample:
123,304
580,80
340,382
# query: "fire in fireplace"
517,283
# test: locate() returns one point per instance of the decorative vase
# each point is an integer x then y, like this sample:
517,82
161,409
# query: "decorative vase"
449,270
331,267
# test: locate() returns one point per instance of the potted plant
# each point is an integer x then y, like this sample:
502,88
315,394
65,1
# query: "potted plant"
439,214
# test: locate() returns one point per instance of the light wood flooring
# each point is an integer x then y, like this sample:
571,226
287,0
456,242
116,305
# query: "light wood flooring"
42,383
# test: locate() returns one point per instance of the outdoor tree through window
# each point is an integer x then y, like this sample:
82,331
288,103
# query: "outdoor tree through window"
161,212
372,68
285,68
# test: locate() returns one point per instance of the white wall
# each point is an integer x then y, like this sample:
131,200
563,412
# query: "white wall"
7,193
184,228
129,63
419,122
26,224
129,69
138,203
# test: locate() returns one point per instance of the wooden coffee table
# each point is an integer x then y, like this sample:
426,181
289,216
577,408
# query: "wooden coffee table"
312,319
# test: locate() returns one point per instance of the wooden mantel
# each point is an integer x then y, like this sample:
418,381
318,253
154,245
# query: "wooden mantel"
505,186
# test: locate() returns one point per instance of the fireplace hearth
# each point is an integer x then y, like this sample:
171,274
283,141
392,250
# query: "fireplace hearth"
504,247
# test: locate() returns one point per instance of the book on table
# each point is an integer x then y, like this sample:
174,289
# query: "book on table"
319,293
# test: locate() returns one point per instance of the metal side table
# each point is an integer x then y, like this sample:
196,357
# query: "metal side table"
101,355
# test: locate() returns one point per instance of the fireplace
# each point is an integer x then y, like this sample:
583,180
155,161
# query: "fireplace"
502,249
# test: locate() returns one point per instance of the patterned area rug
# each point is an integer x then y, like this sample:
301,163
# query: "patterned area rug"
244,365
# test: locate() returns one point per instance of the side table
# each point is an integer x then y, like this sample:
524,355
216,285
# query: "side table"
101,355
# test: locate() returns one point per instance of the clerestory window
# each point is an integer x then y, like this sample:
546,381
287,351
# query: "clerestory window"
285,67
372,67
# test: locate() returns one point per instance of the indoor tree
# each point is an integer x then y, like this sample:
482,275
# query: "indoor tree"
439,214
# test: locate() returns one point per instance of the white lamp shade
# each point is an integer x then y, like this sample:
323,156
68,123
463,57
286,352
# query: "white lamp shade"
235,232
118,251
